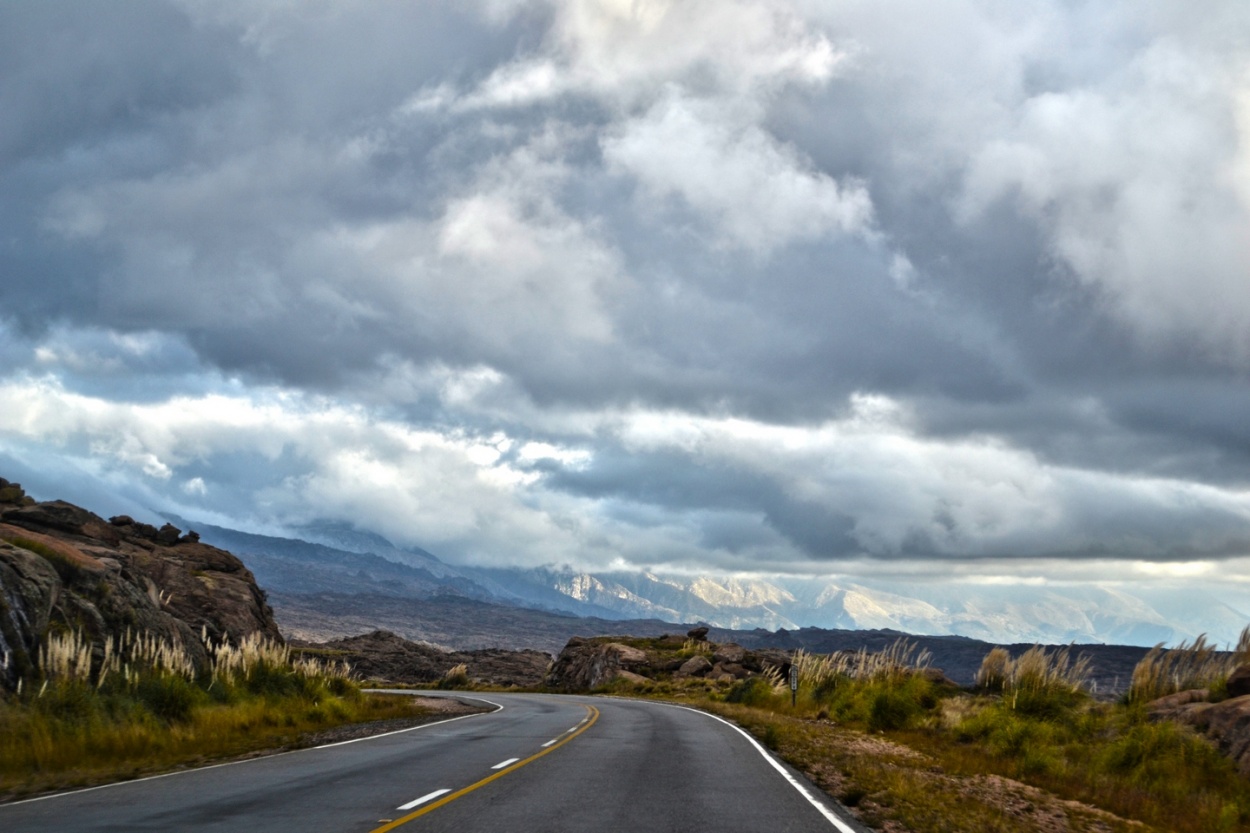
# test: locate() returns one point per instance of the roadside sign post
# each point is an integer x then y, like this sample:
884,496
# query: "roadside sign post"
794,685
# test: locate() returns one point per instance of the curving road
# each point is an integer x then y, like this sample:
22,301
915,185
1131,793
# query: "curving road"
539,763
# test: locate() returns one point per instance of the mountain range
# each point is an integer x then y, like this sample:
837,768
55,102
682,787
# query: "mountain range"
325,558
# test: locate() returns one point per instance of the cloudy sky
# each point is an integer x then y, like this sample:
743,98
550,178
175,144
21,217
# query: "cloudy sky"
850,287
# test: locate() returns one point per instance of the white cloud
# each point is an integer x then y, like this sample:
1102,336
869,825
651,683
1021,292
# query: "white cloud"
1133,180
757,193
970,497
623,52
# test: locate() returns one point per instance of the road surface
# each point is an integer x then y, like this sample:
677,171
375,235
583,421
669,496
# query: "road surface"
538,764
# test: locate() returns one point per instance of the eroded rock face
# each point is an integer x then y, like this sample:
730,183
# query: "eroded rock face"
62,566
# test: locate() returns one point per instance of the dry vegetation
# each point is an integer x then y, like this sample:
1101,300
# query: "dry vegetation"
1196,665
1029,749
137,704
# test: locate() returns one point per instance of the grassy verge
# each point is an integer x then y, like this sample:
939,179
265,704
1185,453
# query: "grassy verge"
1030,750
139,707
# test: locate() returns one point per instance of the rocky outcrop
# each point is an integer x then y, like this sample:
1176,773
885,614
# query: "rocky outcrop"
1227,722
62,567
587,664
383,656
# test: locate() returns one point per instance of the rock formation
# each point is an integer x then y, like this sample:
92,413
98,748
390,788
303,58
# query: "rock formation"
62,567
587,664
1227,722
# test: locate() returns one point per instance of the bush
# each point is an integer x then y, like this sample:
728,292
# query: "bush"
170,698
892,709
753,691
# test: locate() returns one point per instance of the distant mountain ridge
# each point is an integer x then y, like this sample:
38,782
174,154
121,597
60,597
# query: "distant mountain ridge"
336,558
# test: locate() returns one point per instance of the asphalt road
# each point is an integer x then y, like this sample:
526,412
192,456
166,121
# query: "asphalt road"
539,764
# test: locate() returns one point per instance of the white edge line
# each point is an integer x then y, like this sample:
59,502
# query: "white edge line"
409,729
803,791
418,802
249,760
503,764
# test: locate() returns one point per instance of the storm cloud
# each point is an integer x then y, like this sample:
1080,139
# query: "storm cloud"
775,287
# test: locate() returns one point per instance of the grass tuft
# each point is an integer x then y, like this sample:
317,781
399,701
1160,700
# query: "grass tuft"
1188,666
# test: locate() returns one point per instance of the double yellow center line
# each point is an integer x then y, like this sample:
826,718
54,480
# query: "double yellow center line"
592,714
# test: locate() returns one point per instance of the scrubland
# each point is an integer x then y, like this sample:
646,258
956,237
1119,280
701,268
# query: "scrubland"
1029,748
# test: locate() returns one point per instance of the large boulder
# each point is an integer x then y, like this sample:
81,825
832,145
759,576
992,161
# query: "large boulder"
696,666
587,664
1227,722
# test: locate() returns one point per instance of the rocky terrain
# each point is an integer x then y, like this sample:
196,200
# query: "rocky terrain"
587,664
64,568
383,657
1226,722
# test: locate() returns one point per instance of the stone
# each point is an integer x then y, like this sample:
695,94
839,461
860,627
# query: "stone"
627,655
698,634
696,666
587,664
168,535
631,677
730,652
1227,723
733,669
1238,684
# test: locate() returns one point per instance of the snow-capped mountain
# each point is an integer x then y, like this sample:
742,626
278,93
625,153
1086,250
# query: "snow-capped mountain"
339,559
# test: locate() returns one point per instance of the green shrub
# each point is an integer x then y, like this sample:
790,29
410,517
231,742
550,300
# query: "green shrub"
892,709
753,691
168,697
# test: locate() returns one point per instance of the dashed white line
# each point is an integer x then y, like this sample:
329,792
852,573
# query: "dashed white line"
418,802
548,743
503,764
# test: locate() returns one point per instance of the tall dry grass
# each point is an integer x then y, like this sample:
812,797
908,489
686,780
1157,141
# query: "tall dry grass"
1035,670
137,703
1199,664
892,664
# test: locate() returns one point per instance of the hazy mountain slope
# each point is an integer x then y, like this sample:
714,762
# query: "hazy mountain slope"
338,559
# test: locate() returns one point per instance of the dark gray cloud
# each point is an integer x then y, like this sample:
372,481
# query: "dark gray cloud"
876,282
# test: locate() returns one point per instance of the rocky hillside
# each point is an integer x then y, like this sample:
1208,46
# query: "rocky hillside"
62,567
383,657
